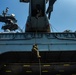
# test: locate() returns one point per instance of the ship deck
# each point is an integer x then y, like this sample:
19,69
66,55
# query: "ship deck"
26,62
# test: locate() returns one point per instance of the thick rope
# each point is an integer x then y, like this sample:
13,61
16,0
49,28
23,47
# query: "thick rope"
39,66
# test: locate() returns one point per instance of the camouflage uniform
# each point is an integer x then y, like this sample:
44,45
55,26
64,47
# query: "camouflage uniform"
35,49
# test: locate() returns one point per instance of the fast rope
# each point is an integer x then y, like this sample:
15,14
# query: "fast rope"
35,36
39,66
38,55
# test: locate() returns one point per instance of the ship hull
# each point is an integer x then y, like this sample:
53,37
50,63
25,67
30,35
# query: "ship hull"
27,63
57,51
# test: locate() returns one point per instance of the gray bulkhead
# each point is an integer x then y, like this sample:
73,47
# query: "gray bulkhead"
45,41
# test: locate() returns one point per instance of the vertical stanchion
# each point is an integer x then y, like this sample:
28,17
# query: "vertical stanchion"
48,47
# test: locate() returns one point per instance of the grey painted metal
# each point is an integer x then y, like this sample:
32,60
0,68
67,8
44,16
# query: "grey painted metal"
34,22
59,69
45,41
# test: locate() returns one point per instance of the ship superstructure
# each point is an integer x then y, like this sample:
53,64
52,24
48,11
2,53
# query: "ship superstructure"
57,50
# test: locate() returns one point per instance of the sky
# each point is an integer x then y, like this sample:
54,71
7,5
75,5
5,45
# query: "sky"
63,16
